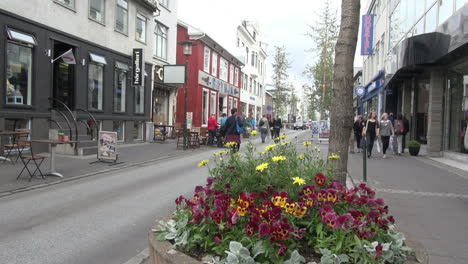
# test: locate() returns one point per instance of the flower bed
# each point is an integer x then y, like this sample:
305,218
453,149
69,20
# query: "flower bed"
280,206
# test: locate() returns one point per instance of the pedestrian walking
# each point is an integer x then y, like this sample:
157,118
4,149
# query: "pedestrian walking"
223,119
399,132
277,127
231,131
371,132
357,128
272,127
212,126
264,128
386,131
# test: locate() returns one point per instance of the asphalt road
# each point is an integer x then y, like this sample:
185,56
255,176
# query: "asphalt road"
100,219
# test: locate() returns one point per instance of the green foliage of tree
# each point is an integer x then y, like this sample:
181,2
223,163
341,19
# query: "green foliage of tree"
324,34
280,80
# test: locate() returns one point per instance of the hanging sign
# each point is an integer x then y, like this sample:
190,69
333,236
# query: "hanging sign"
137,63
367,35
360,91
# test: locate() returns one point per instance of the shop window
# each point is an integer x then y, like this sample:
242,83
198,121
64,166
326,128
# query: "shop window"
235,103
121,17
160,41
213,104
19,74
138,130
96,82
223,69
231,74
160,106
140,32
205,101
119,127
231,105
139,99
120,86
214,65
96,10
206,60
66,3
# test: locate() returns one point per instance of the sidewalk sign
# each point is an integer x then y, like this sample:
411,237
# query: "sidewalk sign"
107,147
189,120
315,130
324,128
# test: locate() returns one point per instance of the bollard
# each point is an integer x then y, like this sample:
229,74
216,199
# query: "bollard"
364,161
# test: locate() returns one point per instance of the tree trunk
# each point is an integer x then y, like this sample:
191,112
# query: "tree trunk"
341,116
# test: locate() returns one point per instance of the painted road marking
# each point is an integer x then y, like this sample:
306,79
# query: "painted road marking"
433,194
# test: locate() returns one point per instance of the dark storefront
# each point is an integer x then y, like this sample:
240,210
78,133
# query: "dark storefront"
99,82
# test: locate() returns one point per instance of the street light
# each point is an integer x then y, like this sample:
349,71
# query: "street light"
187,49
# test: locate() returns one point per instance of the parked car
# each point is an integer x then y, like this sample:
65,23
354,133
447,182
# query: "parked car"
299,125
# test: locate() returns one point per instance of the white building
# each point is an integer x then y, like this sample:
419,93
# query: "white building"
252,50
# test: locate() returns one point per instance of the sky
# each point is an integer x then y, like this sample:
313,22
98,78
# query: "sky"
282,23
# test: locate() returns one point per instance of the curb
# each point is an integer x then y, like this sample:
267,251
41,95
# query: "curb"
43,185
139,258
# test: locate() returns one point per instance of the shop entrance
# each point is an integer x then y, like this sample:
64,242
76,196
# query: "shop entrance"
64,74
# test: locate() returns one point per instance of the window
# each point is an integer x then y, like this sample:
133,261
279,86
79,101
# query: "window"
231,104
205,107
235,103
246,81
231,74
260,90
164,3
119,127
431,19
140,99
67,3
213,104
223,69
252,61
236,77
120,86
137,130
121,17
19,74
246,55
160,41
95,85
96,10
206,60
250,85
21,37
255,87
254,35
140,33
461,3
445,10
214,65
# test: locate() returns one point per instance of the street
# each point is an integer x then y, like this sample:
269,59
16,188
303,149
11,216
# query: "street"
100,219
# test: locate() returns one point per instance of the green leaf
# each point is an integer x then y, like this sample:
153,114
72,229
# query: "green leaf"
358,241
235,246
258,249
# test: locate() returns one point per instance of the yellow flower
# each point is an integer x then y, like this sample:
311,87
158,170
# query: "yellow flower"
299,181
254,132
307,143
270,147
220,153
261,153
282,137
278,158
300,157
317,149
203,163
333,156
262,167
230,144
285,143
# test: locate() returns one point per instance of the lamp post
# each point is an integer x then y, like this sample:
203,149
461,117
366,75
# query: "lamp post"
187,49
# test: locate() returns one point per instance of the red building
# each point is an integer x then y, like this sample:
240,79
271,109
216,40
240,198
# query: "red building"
213,78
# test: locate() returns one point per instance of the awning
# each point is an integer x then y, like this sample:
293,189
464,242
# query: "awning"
122,66
21,37
97,59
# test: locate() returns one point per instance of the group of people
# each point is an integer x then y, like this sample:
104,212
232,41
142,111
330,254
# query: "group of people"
270,125
388,128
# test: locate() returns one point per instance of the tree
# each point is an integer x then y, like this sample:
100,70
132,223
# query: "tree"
324,34
280,80
341,115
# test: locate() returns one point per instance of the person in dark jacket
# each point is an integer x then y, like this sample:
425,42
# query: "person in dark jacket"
272,128
406,124
230,128
357,127
277,124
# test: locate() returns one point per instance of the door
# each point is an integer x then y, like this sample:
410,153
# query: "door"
64,74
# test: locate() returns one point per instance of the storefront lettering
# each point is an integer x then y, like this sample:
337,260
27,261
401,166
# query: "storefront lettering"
137,67
367,34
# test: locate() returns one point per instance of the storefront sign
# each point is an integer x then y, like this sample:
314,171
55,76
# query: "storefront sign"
107,145
137,63
252,98
189,120
360,91
214,83
367,36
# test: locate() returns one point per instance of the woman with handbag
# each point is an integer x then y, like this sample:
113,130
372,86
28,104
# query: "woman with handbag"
371,131
233,129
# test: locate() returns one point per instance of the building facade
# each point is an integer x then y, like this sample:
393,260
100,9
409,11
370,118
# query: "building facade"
426,73
252,50
99,35
213,79
164,40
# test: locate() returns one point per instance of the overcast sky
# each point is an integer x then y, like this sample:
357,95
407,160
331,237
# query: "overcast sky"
283,23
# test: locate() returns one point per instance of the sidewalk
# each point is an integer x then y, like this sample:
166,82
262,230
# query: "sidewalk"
427,198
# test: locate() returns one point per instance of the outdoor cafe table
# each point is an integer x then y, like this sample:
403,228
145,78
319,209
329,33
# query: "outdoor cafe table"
7,133
53,143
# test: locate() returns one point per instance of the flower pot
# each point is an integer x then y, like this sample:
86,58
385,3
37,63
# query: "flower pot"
414,151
